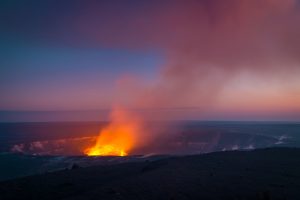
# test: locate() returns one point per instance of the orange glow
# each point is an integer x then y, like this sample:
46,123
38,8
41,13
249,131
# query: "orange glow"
118,138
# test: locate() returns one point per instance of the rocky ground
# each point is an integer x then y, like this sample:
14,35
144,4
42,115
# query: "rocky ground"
259,174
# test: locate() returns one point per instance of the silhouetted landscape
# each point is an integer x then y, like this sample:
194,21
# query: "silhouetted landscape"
34,148
258,174
202,160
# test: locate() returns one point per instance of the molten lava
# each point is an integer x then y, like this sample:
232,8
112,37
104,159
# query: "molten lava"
118,138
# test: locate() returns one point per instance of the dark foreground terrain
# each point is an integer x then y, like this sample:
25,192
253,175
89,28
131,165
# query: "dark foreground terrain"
260,174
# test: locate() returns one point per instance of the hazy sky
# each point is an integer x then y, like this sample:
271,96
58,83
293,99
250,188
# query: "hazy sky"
200,59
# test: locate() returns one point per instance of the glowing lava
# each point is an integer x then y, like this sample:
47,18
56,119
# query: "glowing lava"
105,150
118,138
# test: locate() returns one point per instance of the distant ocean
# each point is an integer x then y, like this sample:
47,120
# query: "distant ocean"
31,148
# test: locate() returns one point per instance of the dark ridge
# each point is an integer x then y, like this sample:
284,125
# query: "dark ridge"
263,174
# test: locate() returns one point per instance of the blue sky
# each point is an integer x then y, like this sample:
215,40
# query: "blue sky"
31,70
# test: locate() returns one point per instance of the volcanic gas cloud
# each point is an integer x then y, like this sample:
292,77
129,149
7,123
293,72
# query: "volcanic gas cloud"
206,44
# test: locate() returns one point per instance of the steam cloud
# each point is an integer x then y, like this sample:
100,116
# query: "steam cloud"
205,43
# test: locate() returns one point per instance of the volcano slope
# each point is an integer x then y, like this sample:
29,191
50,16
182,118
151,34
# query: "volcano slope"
259,174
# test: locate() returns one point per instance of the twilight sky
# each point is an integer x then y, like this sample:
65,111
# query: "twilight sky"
194,59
